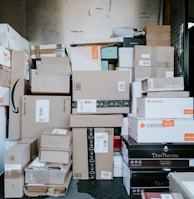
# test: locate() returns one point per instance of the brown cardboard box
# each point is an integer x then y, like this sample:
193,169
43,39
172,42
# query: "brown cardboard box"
19,87
163,84
56,60
182,182
55,155
35,190
40,112
50,84
87,162
56,138
46,173
100,92
156,56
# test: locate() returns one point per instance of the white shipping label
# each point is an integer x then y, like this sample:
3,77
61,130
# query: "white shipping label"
101,142
42,110
166,196
60,131
9,167
144,63
169,74
86,105
145,56
106,174
121,86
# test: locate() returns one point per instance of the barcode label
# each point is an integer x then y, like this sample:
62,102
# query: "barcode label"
166,196
86,105
106,174
101,142
121,86
42,110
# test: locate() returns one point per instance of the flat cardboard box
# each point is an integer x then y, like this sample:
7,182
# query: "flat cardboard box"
5,76
50,84
4,96
35,190
156,56
163,84
47,50
5,55
56,138
166,94
126,57
14,187
113,120
84,58
45,173
182,182
103,165
100,92
55,155
44,111
19,87
159,130
165,107
56,60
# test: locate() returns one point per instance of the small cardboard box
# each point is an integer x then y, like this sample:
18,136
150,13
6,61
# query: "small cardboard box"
55,155
182,182
158,130
165,107
100,92
56,138
46,173
109,52
163,84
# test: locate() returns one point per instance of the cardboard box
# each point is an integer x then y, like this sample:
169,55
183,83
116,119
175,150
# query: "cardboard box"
99,152
156,56
3,128
50,84
126,57
55,155
40,112
109,52
5,55
12,40
161,130
84,58
35,190
4,96
47,50
165,107
19,87
126,69
14,187
56,60
46,173
113,120
93,94
56,138
182,182
166,94
117,162
5,76
163,84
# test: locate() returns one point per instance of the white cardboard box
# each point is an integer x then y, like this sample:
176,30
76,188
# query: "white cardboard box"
165,107
159,130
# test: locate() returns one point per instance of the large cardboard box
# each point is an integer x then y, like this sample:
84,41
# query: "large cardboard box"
5,55
46,173
93,153
155,56
11,39
36,190
86,58
19,87
163,84
183,183
158,130
50,84
47,50
100,92
40,112
56,138
165,107
5,76
4,96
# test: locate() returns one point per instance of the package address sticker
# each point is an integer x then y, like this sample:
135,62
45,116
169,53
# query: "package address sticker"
42,110
101,142
86,105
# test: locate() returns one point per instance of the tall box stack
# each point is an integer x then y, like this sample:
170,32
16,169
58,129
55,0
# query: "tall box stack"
51,170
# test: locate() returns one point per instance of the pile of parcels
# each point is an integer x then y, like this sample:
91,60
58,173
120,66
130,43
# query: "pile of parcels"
94,94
